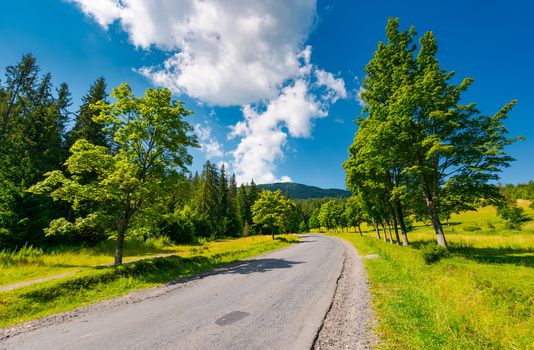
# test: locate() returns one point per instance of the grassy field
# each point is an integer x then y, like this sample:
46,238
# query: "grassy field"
481,296
93,283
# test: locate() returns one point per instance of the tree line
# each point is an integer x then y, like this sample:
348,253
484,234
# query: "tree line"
419,150
121,169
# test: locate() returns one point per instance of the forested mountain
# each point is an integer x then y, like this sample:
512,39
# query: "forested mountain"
300,191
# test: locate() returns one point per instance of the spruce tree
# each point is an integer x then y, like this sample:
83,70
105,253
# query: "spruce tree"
233,222
85,127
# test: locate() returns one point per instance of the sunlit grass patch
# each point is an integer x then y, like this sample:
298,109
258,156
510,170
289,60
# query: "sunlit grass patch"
479,296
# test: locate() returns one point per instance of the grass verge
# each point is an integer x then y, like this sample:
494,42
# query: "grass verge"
97,284
461,302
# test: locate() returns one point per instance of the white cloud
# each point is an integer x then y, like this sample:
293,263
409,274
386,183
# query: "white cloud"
104,12
265,128
241,52
225,52
359,98
208,144
336,86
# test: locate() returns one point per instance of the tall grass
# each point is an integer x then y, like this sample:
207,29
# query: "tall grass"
27,255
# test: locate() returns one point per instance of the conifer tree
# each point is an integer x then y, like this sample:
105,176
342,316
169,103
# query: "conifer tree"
85,127
233,222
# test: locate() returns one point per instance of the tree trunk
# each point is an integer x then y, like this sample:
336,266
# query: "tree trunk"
377,230
440,235
389,231
396,228
400,217
384,231
432,212
121,231
360,229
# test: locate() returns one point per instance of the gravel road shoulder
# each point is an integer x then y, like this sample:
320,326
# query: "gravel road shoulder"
349,322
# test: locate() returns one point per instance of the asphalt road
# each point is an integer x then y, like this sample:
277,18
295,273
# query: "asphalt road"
275,301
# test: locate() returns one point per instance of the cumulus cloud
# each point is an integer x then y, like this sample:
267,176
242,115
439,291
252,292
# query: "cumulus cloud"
241,52
208,143
336,87
225,52
265,129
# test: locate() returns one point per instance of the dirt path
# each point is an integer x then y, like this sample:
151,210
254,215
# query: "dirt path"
17,285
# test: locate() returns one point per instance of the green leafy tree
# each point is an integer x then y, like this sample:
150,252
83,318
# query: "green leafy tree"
314,220
354,213
272,211
450,149
150,140
512,215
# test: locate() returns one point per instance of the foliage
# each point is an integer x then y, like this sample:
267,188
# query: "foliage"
519,191
32,131
416,140
273,212
471,228
432,252
511,214
85,127
332,215
150,139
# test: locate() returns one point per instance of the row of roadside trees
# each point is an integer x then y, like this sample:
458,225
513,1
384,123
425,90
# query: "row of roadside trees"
419,149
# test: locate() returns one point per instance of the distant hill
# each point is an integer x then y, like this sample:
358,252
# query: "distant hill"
299,191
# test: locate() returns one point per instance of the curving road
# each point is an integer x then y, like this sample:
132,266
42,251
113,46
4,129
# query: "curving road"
275,301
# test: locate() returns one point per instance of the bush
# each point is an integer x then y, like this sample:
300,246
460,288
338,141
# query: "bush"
512,215
159,242
179,226
433,252
531,206
471,228
408,224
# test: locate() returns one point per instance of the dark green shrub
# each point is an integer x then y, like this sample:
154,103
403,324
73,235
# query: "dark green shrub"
512,215
408,224
471,228
433,252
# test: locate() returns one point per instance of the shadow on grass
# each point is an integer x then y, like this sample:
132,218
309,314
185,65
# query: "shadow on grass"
503,255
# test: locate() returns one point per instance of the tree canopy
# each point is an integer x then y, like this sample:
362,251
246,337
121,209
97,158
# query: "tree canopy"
149,141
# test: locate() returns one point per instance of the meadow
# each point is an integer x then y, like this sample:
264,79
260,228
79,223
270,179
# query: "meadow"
93,282
479,296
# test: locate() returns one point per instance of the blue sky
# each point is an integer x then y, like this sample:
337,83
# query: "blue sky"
274,86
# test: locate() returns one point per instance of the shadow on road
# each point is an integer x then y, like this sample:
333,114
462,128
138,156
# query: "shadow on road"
258,265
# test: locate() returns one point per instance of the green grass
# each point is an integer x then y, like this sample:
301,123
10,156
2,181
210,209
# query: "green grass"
15,268
98,283
480,296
